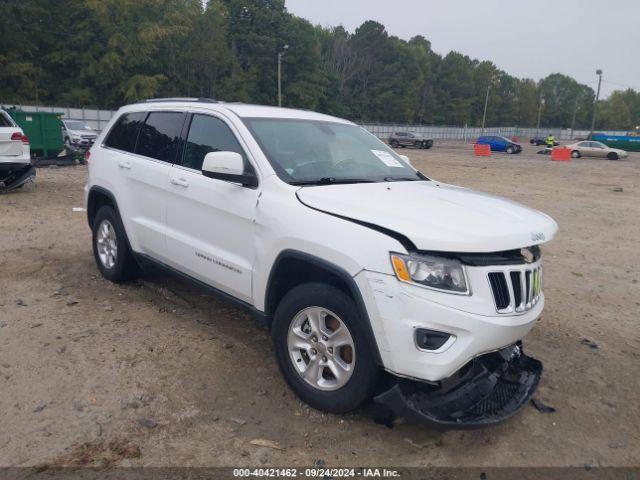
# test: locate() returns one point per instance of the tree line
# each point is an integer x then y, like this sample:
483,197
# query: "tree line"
106,53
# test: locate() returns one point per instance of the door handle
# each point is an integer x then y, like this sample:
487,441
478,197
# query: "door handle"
125,165
181,182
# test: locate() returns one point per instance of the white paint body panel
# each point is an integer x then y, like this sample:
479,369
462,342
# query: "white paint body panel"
229,237
435,216
13,151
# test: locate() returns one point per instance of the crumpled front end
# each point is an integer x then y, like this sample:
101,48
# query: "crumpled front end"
15,175
486,391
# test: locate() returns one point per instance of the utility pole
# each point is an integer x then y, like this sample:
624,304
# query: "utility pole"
575,110
539,114
486,102
595,105
280,55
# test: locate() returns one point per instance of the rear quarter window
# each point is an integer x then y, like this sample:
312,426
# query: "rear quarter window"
124,133
5,120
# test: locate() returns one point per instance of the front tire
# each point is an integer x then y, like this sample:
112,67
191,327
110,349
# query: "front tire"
111,248
322,348
612,156
394,143
510,150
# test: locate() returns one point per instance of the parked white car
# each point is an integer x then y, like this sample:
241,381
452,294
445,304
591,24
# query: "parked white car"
15,155
358,262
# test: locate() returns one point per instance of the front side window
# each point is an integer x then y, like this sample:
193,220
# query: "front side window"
124,133
209,134
310,151
160,136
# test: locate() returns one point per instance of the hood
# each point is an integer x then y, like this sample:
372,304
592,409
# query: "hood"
79,133
436,216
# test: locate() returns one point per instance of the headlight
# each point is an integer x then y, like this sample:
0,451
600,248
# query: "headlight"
429,271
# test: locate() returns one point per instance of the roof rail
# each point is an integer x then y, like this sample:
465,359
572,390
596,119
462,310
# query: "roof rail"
178,99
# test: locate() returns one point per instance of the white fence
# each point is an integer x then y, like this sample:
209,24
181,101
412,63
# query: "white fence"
98,119
469,134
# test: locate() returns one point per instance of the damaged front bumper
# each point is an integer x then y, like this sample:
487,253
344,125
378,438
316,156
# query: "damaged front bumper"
488,390
13,176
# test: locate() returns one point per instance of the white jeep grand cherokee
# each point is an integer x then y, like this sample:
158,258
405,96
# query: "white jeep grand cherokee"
375,280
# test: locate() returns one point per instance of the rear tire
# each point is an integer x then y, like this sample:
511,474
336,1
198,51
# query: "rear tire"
418,145
302,319
612,156
575,154
111,247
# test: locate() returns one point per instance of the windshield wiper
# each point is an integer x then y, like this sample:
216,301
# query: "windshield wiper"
401,179
331,181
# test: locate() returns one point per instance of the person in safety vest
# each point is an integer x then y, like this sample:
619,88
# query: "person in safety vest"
550,141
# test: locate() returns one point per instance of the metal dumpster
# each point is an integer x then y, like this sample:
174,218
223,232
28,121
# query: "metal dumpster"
630,143
44,130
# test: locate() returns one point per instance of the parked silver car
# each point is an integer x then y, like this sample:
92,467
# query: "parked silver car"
77,134
410,139
589,148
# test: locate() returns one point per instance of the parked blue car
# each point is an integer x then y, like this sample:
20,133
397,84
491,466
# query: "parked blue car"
500,144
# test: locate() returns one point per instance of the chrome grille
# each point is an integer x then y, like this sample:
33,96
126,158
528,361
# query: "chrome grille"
516,289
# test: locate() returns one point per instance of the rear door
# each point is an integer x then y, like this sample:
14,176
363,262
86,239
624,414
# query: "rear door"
9,148
586,150
210,222
143,176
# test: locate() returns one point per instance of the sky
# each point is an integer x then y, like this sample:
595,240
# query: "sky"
525,38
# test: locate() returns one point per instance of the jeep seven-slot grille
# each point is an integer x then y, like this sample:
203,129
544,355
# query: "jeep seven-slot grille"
516,290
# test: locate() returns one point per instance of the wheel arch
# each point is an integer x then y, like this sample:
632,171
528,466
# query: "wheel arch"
293,267
97,198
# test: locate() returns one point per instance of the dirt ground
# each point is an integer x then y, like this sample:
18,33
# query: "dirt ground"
159,373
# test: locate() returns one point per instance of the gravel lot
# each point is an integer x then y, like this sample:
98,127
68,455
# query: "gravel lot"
160,373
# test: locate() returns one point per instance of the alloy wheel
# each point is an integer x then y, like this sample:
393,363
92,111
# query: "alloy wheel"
321,348
107,244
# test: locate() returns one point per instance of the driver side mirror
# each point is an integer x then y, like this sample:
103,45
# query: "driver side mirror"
228,166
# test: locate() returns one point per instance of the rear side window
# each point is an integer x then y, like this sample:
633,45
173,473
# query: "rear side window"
5,120
209,134
160,136
124,133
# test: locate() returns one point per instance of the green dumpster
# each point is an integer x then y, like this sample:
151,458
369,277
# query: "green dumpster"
44,130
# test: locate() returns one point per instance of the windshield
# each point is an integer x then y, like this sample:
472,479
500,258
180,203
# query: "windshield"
76,125
310,151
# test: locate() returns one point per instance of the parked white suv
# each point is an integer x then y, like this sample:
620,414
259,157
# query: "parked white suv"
15,155
375,280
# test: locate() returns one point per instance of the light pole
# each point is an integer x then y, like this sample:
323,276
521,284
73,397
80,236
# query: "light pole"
280,55
539,113
575,110
486,103
595,105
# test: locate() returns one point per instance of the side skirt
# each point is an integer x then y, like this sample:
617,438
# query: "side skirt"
146,261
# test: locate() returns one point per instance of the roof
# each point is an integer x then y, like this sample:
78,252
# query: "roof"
242,110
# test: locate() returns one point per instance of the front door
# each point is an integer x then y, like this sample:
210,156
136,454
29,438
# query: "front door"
210,229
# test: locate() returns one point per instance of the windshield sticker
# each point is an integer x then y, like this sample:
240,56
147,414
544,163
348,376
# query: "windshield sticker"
387,158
